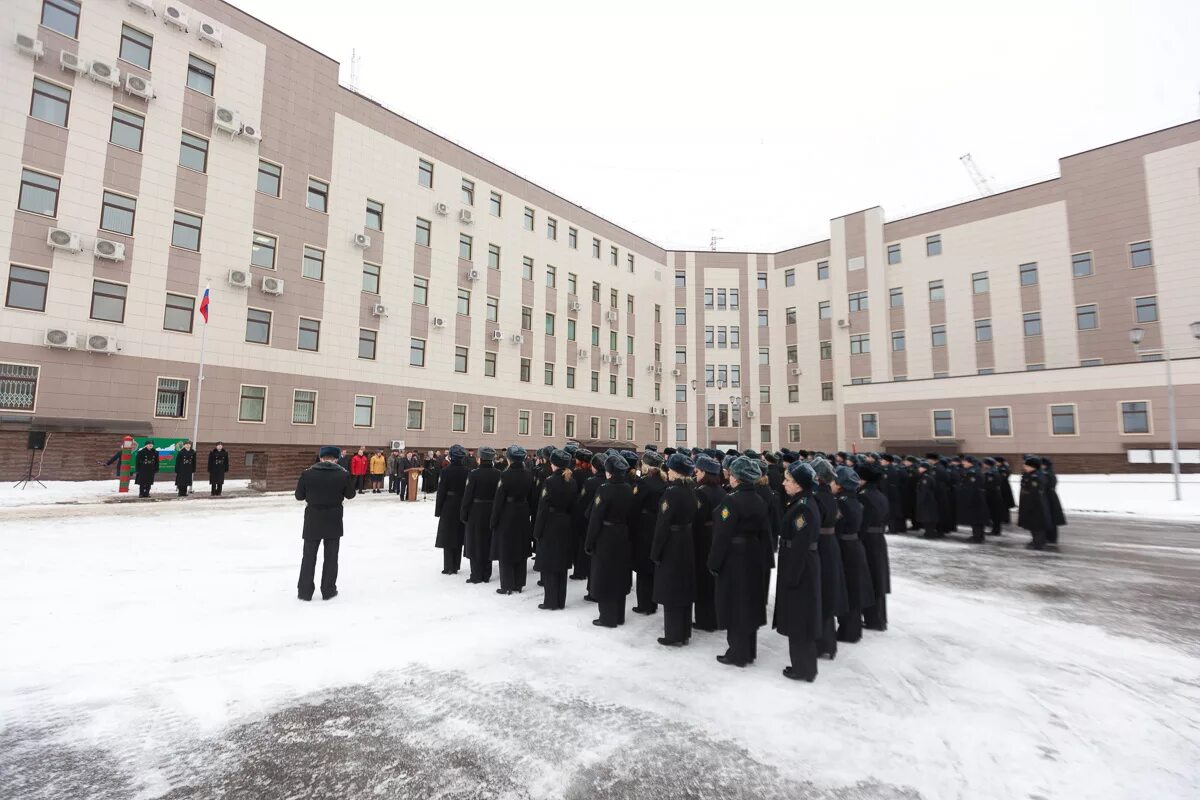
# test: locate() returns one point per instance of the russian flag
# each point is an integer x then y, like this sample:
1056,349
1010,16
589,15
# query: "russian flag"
204,305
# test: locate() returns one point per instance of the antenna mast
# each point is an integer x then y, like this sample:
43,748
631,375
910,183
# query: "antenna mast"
712,243
981,182
354,59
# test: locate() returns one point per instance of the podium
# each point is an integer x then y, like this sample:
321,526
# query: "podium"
413,474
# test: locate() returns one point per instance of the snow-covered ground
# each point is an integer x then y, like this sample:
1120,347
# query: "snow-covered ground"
152,653
56,492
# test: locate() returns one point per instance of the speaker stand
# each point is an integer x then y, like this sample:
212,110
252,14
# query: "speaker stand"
29,476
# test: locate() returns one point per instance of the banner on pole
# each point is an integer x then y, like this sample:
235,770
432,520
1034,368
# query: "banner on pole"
166,447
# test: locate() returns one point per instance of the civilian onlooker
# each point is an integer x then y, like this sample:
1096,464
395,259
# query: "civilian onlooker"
378,468
358,469
395,467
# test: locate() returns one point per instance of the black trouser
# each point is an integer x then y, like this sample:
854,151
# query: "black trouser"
481,569
827,644
706,611
898,525
144,489
452,558
329,567
583,562
850,626
215,488
677,623
1052,535
997,523
612,612
403,491
645,590
977,532
875,617
743,644
555,584
512,574
804,657
1039,539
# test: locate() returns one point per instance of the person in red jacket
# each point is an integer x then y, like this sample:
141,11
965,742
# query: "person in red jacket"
358,469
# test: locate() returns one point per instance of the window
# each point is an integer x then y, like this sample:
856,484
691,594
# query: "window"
861,381
458,418
425,173
762,318
709,336
722,336
252,404
547,423
999,422
270,178
1091,362
108,301
681,393
793,393
117,213
1033,323
824,310
528,218
186,231
262,251
18,387
527,318
983,330
822,270
629,304
680,280
595,383
367,340
1081,265
549,324
937,335
551,229
570,377
1029,274
827,390
858,301
1062,420
613,297
612,428
417,353
629,345
789,315
762,281
371,275
374,219
201,75
979,283
612,384
570,330
527,268
793,431
595,248
613,257
304,407
1086,317
870,425
493,260
569,431
1140,255
495,203
464,302
364,411
720,299
179,313
657,317
465,247
1145,309
489,365
981,371
681,316
318,195
424,232
629,261
1031,367
710,375
523,423
860,343
416,415
943,424
573,243
595,336
937,291
468,192
312,266
420,290
309,337
572,283
258,326
493,309
489,419
61,16
27,288
789,277
933,245
193,152
136,47
39,193
525,370
551,276
826,350
896,298
708,299
680,433
629,387
51,102
893,254
461,358
897,341
1135,417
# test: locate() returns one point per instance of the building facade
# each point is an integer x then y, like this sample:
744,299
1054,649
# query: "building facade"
370,281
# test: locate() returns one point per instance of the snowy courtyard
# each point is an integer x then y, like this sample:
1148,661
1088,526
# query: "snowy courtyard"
157,650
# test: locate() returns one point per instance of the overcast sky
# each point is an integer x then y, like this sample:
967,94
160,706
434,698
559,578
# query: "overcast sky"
764,120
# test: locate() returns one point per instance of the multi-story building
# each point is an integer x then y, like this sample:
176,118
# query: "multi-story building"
371,281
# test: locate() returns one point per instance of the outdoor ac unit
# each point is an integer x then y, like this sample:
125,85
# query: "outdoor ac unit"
653,409
272,286
605,358
109,250
618,359
138,86
239,278
497,335
658,369
472,274
397,444
174,15
465,216
60,338
362,240
583,352
60,239
612,316
518,338
227,120
750,413
101,343
29,46
438,322
676,373
843,323
650,369
145,6
72,61
103,72
251,132
379,310
575,305
211,34
795,370
441,208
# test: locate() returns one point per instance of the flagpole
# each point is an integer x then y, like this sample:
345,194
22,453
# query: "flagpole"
200,377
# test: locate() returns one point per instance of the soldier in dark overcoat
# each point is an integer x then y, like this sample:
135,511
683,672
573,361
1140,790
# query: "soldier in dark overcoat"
583,474
447,507
709,495
798,585
512,529
218,465
647,493
673,552
1033,513
1057,519
476,514
859,591
972,505
185,468
610,543
876,512
927,508
893,487
323,487
834,601
736,558
145,466
552,530
1005,471
993,494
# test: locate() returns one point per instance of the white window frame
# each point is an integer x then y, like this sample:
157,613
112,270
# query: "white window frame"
266,399
1149,415
1074,415
407,403
933,424
374,412
316,402
187,396
466,417
878,426
987,422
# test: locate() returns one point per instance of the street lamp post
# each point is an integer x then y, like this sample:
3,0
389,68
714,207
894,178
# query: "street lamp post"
1135,336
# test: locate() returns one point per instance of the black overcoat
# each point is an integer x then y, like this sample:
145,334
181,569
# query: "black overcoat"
993,493
553,528
647,493
854,556
876,513
324,486
512,529
476,512
673,550
218,465
834,600
928,509
145,466
709,497
972,499
739,527
185,467
447,507
1033,514
1052,501
798,585
1005,473
609,541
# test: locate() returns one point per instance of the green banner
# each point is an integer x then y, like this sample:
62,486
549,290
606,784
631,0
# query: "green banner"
166,450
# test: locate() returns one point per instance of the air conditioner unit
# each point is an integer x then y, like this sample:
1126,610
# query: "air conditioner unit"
653,409
658,369
676,373
750,414
795,370
497,335
441,208
102,343
251,132
438,322
397,444
662,412
362,240
60,338
843,323
272,286
518,338
605,358
72,61
210,33
175,15
29,46
138,86
379,310
103,72
145,6
618,359
472,274
583,352
612,316
575,306
227,120
465,216
650,369
239,278
109,250
60,239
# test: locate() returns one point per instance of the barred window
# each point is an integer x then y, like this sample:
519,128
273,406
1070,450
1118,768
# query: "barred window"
171,400
18,387
304,407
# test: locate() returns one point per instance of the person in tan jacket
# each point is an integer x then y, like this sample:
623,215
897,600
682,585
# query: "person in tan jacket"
378,470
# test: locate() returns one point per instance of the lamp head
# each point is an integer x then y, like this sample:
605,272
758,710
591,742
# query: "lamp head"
1135,336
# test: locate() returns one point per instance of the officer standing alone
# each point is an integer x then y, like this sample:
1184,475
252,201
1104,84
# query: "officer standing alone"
323,486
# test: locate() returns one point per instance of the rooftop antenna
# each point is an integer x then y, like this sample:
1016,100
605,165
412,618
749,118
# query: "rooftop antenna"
980,182
354,59
712,243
